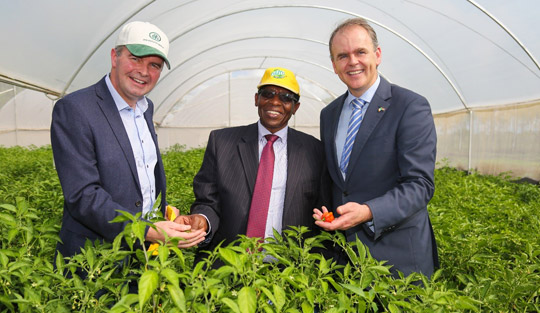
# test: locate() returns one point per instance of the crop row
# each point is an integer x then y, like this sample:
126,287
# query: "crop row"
486,229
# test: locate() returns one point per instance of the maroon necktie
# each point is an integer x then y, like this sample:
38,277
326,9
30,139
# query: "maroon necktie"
261,194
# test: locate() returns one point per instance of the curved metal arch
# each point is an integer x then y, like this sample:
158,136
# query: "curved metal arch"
233,41
89,56
172,106
476,32
402,37
507,30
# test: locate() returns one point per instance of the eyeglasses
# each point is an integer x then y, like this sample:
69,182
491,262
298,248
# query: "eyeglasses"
284,97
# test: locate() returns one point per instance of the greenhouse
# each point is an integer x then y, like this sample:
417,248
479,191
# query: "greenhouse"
477,62
449,225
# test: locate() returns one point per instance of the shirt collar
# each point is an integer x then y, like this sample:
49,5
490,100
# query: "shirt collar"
121,104
367,96
282,134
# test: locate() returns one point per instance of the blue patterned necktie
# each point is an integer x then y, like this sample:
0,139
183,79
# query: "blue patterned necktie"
354,125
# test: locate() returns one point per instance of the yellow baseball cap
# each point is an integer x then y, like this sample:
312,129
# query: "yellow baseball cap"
280,77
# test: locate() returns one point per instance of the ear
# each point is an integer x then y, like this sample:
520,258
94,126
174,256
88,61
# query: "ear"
113,57
296,106
256,99
378,54
334,66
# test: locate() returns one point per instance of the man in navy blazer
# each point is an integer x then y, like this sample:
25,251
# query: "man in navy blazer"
105,147
381,186
224,185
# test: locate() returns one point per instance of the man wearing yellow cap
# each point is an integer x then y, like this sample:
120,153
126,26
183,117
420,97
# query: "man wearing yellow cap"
236,191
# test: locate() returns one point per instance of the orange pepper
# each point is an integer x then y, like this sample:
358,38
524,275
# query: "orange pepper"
327,217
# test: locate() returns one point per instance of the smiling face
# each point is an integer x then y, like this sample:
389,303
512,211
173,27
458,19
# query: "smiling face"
274,112
355,59
133,77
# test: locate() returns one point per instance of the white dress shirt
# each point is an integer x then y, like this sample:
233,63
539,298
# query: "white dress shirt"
279,181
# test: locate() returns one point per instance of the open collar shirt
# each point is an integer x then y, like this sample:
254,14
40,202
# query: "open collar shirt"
142,144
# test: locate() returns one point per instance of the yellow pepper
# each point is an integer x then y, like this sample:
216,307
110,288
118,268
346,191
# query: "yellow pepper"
170,216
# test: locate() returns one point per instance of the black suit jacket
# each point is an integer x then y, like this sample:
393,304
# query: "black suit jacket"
391,170
224,185
96,166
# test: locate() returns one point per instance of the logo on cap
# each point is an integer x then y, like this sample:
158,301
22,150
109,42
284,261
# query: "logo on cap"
278,74
155,36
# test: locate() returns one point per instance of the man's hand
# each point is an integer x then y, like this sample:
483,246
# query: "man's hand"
351,214
189,237
196,221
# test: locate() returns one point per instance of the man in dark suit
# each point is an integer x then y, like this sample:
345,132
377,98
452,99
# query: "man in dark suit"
224,186
105,147
380,144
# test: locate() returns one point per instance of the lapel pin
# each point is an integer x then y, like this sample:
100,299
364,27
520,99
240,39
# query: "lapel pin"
381,109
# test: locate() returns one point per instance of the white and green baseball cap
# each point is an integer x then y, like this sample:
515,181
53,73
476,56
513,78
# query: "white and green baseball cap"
142,39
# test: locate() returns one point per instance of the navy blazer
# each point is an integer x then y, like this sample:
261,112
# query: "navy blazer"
96,166
391,170
224,185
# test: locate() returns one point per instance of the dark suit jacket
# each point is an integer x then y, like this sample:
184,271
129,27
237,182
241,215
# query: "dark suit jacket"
96,166
391,170
224,185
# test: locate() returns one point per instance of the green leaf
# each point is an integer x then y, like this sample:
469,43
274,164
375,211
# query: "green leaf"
123,217
355,289
231,304
163,253
229,256
380,269
7,219
171,275
280,296
306,307
147,284
270,296
9,207
12,233
6,301
177,296
90,257
247,300
224,271
4,259
126,301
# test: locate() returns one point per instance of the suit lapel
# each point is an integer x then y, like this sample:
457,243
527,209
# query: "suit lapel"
295,161
110,111
248,149
159,170
376,110
333,163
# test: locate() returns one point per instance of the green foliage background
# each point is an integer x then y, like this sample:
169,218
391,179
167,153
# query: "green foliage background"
487,229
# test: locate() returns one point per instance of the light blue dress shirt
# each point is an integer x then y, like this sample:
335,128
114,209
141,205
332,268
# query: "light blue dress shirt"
142,144
344,118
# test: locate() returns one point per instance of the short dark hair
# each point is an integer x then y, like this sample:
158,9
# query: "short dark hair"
119,49
358,21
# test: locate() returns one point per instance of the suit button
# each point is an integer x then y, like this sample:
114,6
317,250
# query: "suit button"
138,203
345,193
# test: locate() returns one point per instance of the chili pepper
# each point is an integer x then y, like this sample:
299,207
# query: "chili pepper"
327,217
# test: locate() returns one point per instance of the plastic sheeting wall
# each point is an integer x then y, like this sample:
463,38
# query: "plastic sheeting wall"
492,140
462,55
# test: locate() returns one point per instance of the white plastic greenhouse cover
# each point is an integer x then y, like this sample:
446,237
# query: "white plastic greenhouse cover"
477,62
